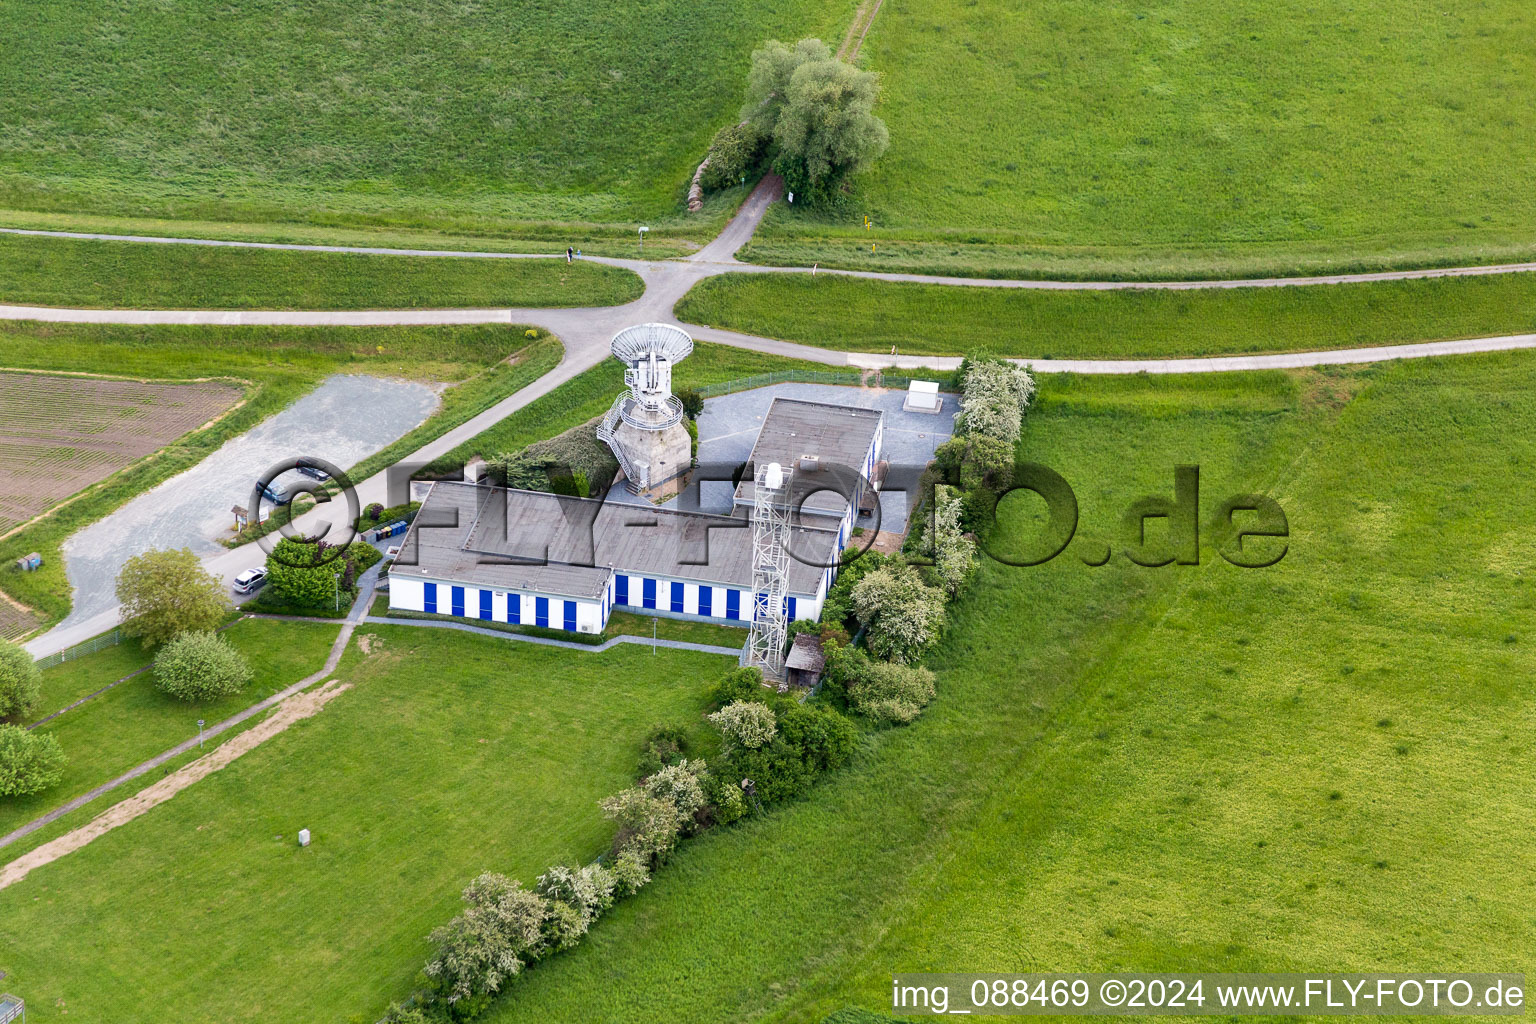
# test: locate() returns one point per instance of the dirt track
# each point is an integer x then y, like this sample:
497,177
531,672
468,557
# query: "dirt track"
295,709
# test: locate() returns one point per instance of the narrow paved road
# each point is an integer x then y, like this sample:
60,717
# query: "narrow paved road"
586,333
720,256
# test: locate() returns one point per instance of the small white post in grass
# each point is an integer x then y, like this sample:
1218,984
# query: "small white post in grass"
338,593
199,734
303,837
643,230
653,636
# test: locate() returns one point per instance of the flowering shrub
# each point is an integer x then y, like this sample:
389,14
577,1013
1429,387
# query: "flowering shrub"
648,825
746,723
681,785
954,554
500,929
901,613
994,395
200,666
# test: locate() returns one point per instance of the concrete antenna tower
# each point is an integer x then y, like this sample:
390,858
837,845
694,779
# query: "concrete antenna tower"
644,427
770,571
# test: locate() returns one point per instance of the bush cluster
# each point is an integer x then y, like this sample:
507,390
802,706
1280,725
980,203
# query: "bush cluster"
803,741
665,745
200,666
20,683
881,690
736,150
305,576
901,615
574,463
504,928
993,396
30,762
954,553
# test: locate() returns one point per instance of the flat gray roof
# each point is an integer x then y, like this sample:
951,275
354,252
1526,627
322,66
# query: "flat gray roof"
838,435
534,541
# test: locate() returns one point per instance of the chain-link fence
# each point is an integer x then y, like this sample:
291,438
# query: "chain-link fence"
845,378
80,650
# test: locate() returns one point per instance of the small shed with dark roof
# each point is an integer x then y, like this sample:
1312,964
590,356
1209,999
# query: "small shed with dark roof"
806,661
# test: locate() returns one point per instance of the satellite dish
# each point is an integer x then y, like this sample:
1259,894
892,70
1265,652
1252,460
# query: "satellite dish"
636,345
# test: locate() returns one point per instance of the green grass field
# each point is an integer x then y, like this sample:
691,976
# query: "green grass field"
392,115
1194,768
134,721
133,275
870,316
277,365
450,755
1189,139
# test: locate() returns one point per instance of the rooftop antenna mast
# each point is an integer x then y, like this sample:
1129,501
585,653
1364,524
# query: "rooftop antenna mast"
770,571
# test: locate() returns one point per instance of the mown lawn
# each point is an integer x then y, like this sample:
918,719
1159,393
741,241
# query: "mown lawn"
450,755
276,365
631,624
134,721
389,115
1189,138
140,275
861,315
1192,768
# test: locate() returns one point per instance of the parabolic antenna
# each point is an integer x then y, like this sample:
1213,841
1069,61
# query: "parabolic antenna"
643,426
638,344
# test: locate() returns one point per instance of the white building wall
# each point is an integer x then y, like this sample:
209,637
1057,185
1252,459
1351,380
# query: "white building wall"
405,594
409,594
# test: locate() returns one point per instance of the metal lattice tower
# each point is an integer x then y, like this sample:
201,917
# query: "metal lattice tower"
770,571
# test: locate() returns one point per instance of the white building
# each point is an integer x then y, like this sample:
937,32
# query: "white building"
538,559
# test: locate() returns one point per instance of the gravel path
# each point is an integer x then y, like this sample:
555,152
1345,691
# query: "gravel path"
344,420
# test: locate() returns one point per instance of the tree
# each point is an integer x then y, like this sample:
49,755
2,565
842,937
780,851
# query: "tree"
902,614
305,574
746,723
827,129
200,666
693,402
164,593
818,111
30,762
20,682
773,66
